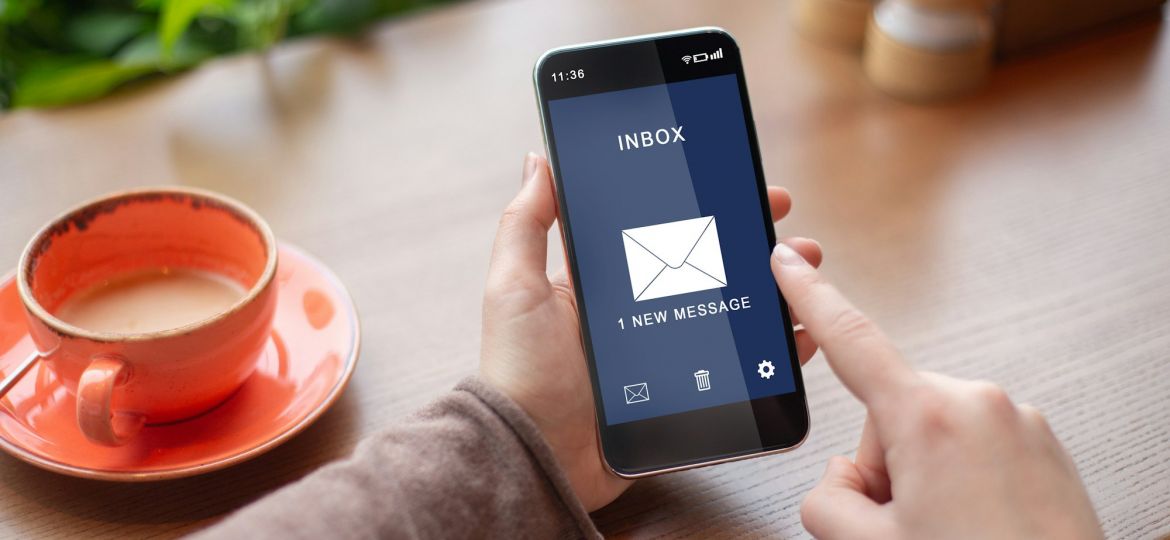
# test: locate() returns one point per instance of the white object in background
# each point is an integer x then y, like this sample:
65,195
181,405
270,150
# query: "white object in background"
932,29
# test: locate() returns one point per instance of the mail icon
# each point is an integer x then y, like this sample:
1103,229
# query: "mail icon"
637,393
674,258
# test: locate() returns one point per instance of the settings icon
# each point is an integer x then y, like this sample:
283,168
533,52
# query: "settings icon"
766,369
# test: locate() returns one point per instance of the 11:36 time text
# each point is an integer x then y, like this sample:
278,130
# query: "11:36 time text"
571,75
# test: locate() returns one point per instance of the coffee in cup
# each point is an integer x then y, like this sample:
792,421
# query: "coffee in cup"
153,306
150,300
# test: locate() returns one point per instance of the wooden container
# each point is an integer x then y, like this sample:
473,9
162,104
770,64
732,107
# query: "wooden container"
833,22
924,50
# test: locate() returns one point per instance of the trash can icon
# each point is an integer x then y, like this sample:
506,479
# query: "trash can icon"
703,380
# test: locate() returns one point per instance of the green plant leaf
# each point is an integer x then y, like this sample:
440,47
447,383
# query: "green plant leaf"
61,84
262,23
336,16
15,11
147,51
102,33
55,52
176,16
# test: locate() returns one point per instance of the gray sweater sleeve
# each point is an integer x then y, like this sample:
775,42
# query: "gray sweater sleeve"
471,464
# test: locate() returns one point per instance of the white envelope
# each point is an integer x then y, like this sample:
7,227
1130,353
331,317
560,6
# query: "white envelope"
637,393
674,258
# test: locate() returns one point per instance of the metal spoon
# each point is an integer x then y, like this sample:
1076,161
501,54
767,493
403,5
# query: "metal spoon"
15,376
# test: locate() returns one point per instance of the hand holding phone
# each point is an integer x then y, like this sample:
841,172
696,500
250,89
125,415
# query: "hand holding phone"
531,345
531,352
534,353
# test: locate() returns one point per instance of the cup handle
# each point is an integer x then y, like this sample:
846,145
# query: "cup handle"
95,414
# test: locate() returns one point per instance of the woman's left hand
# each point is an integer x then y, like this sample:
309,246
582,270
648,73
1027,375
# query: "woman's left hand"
531,346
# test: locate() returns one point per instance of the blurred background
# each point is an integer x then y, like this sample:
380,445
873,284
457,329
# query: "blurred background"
58,52
1004,219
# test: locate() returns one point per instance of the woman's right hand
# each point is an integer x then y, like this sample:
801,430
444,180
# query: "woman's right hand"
938,457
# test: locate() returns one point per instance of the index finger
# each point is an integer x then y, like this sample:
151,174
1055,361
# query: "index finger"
861,356
779,202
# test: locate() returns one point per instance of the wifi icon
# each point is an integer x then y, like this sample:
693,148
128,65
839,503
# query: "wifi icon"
686,59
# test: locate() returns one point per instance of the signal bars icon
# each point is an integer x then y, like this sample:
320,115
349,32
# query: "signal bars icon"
703,57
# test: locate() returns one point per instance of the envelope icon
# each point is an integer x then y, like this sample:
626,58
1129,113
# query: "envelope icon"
674,258
637,393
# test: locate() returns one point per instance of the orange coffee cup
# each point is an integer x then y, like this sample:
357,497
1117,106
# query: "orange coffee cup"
125,380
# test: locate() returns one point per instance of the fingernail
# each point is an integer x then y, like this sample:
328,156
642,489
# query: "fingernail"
529,167
786,255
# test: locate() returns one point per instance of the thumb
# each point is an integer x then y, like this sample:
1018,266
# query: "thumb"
519,253
838,507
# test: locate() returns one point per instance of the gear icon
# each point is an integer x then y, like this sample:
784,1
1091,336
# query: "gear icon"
766,369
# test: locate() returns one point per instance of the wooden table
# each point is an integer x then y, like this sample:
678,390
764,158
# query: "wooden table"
1022,235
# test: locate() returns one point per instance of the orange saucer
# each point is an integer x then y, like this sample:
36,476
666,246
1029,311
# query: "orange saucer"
308,361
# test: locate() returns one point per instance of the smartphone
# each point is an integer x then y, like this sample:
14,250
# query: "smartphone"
668,234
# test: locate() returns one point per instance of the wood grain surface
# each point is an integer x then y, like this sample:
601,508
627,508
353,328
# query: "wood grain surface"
1020,235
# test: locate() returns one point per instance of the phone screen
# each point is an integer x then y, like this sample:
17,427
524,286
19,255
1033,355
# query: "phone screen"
668,233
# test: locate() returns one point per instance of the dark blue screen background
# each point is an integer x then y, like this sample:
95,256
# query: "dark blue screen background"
710,174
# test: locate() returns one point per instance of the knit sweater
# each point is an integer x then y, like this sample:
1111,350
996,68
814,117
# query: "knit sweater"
470,464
